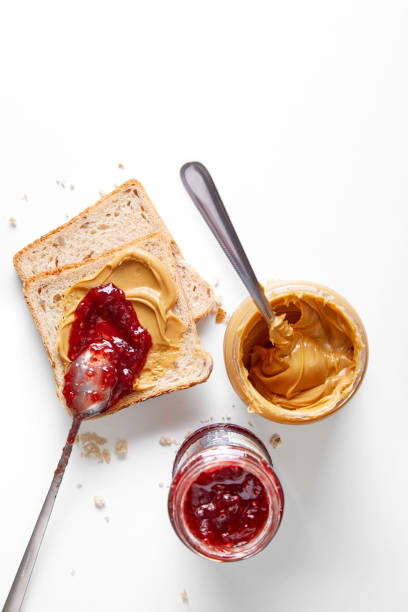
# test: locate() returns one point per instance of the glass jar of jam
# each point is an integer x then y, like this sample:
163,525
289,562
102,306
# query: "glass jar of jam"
225,501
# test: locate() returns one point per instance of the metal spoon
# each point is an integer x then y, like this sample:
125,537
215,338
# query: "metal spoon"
84,386
200,186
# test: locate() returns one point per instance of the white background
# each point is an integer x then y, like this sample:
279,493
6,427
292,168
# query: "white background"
299,109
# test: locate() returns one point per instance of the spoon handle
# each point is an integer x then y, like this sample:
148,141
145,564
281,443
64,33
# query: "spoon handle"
22,578
200,186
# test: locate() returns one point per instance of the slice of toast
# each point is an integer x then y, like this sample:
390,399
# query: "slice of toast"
44,293
122,216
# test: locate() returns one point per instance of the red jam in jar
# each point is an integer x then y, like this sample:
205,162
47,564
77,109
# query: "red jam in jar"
107,332
226,506
225,500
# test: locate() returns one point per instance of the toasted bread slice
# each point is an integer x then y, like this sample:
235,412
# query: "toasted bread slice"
44,293
122,216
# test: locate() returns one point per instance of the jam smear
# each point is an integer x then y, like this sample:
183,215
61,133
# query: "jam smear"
226,506
107,347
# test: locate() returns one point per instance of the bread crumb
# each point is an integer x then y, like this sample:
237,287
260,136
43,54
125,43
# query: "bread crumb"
99,502
228,417
220,315
216,281
165,441
121,449
72,572
67,216
72,187
161,484
121,166
184,596
250,423
102,193
89,435
204,420
61,183
107,519
106,455
275,440
188,433
77,439
12,222
79,485
217,304
25,197
92,447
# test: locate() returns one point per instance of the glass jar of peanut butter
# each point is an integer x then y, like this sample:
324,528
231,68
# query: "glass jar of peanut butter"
322,365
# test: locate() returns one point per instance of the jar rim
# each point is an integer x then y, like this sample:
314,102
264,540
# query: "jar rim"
193,437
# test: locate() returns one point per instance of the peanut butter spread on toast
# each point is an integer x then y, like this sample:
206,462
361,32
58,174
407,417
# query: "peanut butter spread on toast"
148,285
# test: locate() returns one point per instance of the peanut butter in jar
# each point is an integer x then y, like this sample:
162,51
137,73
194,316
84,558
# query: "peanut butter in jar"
319,368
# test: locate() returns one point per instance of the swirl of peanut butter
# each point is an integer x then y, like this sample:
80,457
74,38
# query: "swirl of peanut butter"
307,361
147,283
281,334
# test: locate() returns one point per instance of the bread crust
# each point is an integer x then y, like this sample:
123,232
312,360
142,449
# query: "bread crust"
198,312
